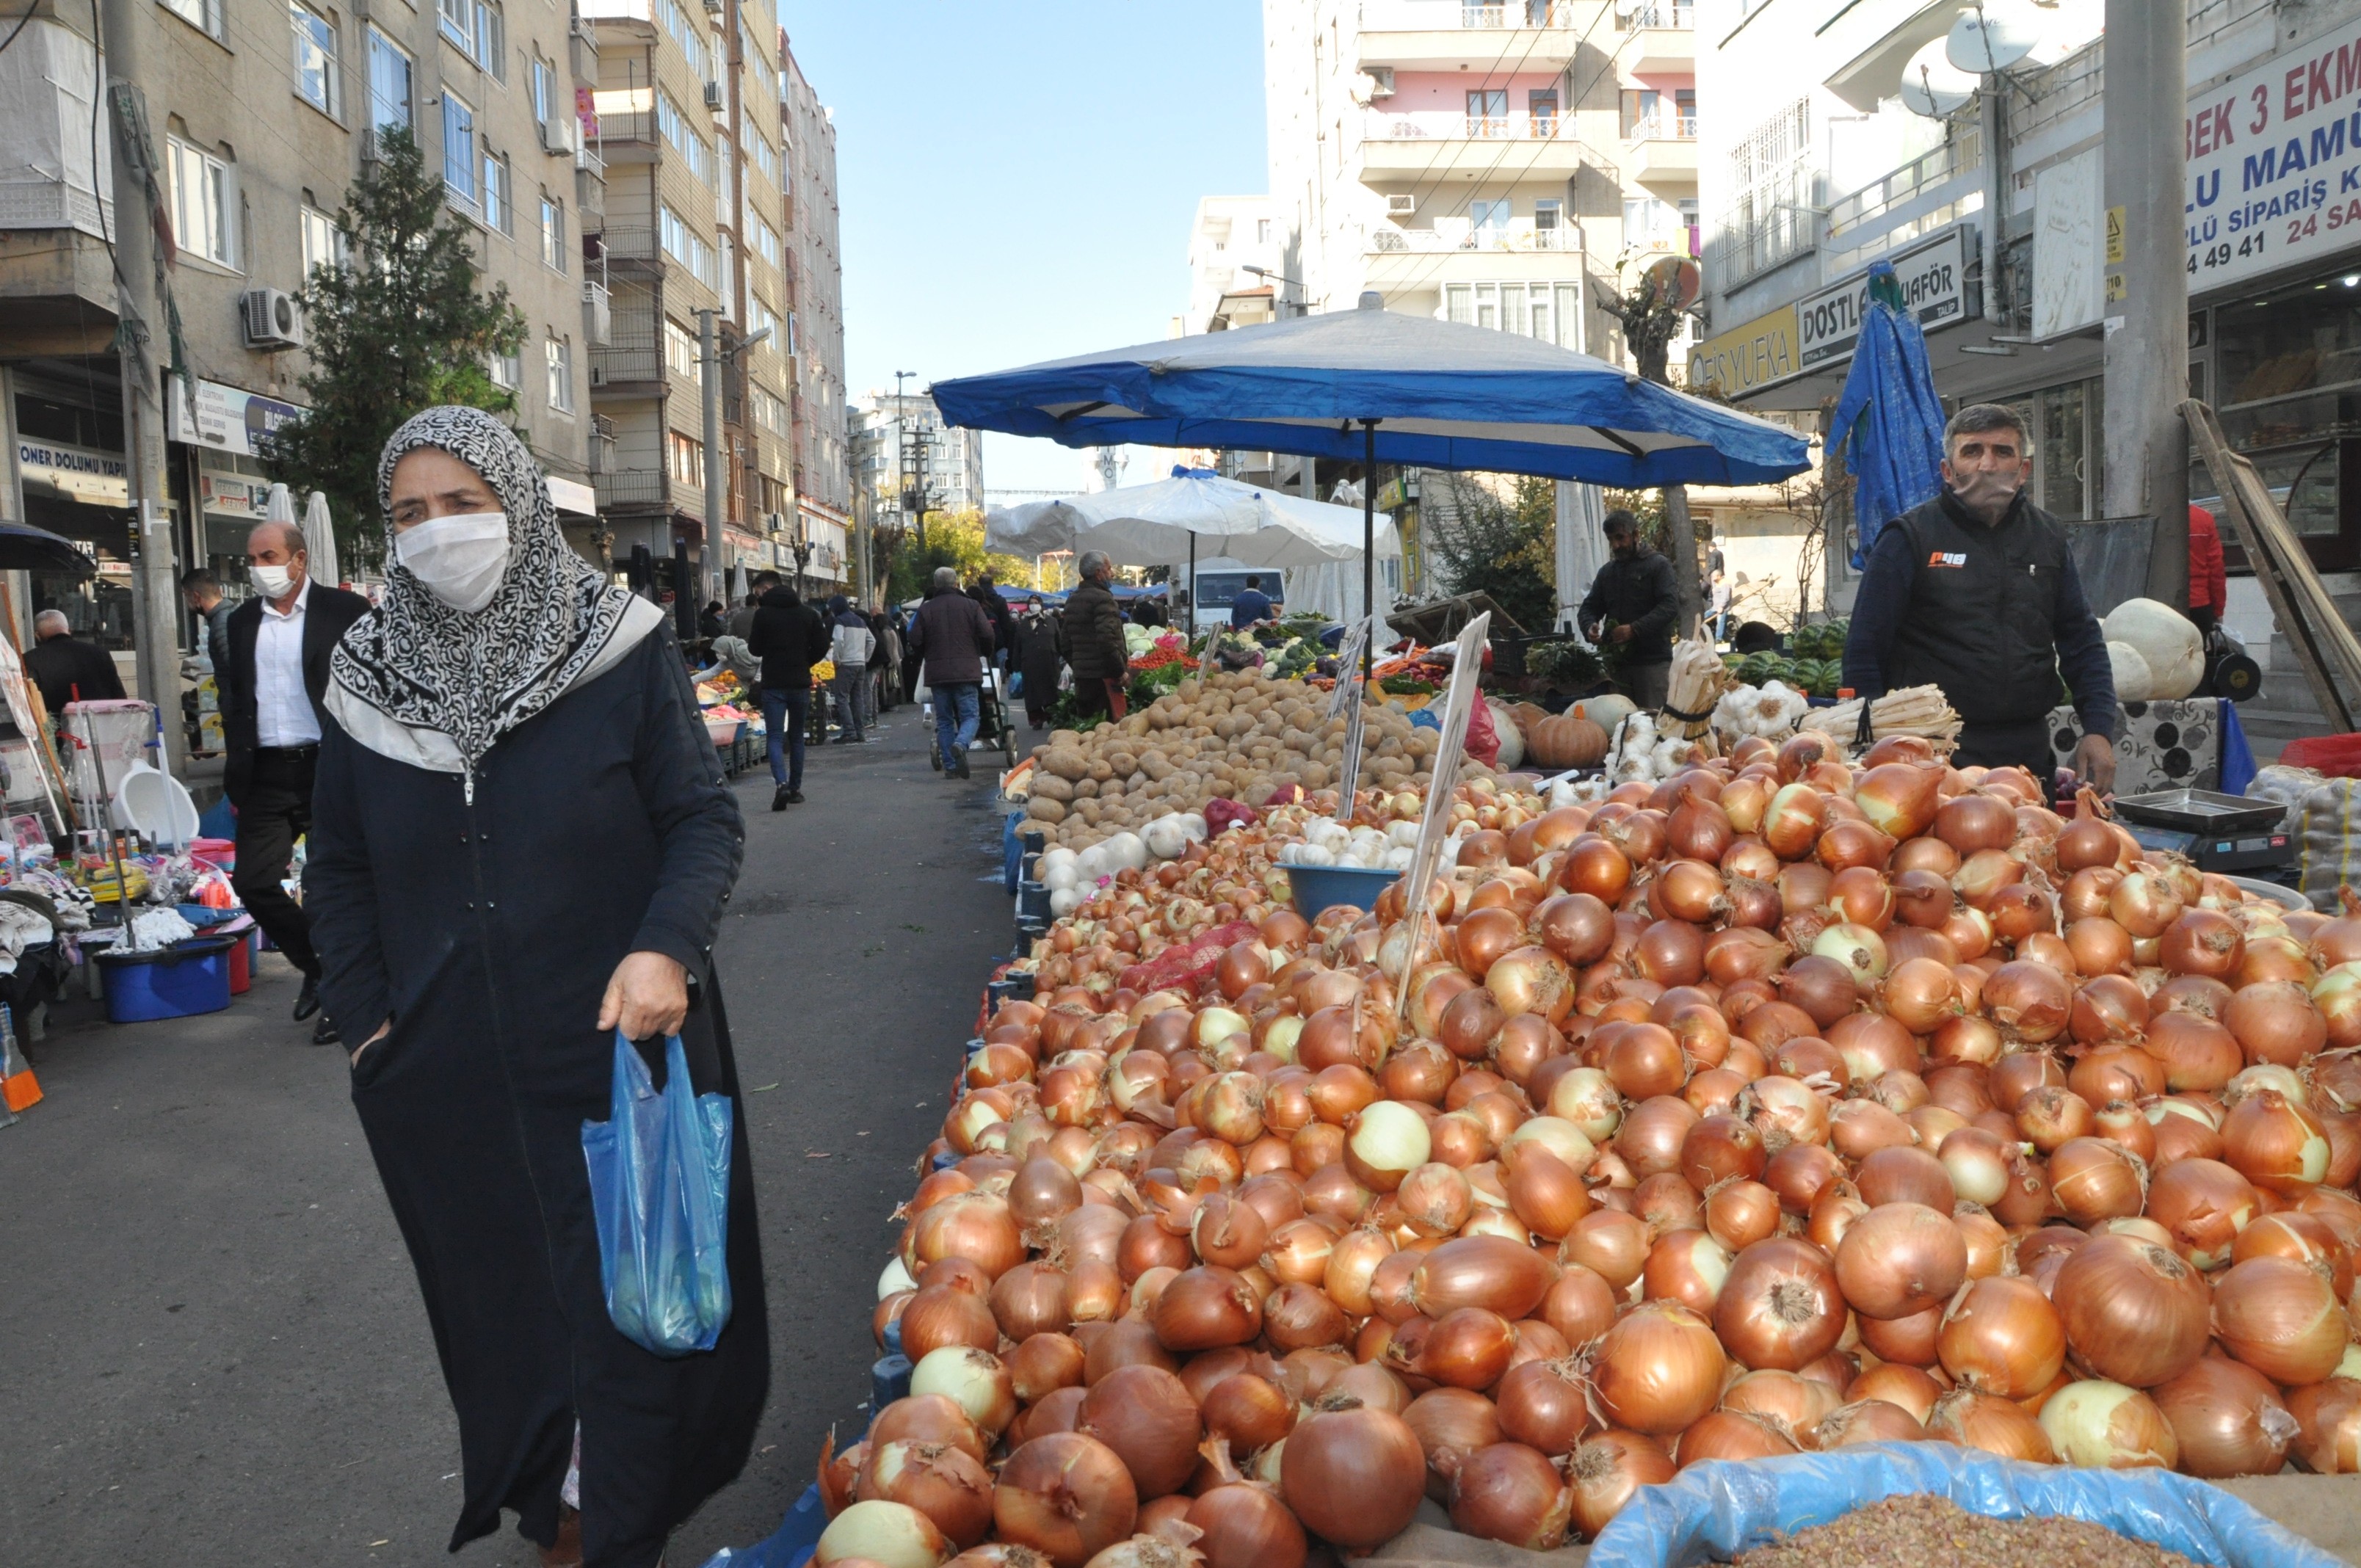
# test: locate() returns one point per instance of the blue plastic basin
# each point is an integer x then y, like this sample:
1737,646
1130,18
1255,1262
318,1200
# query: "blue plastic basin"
1318,887
184,979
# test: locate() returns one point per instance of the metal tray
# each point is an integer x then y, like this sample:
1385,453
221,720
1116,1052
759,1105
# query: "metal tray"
2200,811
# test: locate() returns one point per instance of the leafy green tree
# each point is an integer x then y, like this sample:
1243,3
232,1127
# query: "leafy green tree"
1506,549
403,326
953,540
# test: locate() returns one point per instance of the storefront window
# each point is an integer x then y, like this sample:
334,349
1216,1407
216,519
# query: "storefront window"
2060,433
2306,339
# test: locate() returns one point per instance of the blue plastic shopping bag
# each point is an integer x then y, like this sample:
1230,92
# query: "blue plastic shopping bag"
660,1184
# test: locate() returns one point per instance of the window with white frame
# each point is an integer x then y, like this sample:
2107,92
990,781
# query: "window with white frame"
507,370
674,125
498,194
491,48
685,246
770,412
685,457
725,281
559,353
760,317
204,202
725,206
456,19
553,232
766,239
204,14
680,349
315,58
322,246
458,148
544,91
1653,223
1549,312
688,35
766,162
389,82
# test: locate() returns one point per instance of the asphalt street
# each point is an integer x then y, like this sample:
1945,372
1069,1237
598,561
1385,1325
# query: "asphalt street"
212,1349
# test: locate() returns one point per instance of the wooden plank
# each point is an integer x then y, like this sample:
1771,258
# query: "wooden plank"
2324,644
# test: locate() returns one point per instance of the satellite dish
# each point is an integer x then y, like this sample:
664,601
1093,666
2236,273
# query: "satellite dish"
1993,35
1932,85
1675,281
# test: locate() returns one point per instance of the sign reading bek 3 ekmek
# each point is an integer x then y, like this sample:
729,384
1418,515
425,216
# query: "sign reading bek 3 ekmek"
1933,277
2275,164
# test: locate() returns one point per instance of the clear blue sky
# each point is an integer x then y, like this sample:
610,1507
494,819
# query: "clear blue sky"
1016,180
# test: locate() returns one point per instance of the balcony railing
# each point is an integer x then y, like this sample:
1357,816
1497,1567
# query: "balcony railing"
1447,237
632,486
1422,125
1648,14
1963,154
1661,127
1443,15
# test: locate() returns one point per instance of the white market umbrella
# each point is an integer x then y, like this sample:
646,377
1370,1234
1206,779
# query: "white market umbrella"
320,536
281,506
738,582
1186,516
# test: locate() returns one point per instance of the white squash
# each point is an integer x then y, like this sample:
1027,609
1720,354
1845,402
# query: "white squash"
2167,640
2135,682
1126,852
1092,864
1195,821
1606,712
1064,901
1167,837
1513,744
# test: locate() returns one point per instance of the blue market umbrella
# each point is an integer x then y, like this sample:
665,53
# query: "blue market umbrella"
1891,419
1433,394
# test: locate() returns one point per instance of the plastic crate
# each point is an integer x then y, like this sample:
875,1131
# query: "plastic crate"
1318,887
2338,756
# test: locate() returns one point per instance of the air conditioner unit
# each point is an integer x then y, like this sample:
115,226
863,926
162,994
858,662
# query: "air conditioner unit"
554,137
270,319
714,6
713,98
1401,205
1381,81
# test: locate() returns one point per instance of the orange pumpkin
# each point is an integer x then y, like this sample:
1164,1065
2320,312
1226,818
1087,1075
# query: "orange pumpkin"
1565,740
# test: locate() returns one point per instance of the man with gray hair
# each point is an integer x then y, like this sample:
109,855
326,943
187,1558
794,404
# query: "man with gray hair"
1975,592
280,644
63,668
954,636
1092,635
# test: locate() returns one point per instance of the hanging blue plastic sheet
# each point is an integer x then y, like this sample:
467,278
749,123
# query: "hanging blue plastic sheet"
1721,1507
1889,415
660,1183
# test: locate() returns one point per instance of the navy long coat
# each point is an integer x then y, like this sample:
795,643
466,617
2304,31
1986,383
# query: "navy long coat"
487,932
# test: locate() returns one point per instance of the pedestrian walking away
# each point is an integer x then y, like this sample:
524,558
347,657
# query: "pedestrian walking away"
886,662
1092,631
63,668
1631,606
1004,621
1251,606
280,641
1976,592
789,639
850,640
522,845
1037,660
952,634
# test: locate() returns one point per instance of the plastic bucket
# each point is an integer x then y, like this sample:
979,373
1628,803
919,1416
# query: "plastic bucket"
1318,887
241,964
178,981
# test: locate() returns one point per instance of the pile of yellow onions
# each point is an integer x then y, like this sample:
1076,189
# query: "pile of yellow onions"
1789,1103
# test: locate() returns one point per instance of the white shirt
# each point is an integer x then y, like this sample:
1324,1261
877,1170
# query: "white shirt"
282,709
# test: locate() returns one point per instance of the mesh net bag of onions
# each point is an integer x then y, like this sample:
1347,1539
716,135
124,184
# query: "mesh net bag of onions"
1787,1104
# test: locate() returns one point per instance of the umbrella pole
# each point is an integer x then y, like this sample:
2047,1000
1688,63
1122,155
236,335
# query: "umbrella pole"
1193,585
1369,541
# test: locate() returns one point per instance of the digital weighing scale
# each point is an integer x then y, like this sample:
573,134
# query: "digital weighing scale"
2215,832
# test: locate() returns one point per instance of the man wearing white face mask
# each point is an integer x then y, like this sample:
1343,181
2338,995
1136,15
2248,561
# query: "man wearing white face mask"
279,642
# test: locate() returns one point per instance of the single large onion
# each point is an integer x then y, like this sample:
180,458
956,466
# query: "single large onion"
1067,1497
1509,1492
975,1379
2328,1426
1606,1470
1900,1259
2228,1418
1492,1272
1352,1474
2031,1001
1146,1415
1864,1421
1992,1423
2276,1142
1658,1369
2001,1335
1245,1526
1540,1403
1204,1307
2280,1317
895,1535
941,1482
1451,1422
2202,1204
2134,1312
1779,1306
2106,1426
1734,1434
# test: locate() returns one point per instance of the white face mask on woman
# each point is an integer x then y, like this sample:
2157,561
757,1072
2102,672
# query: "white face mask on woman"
461,558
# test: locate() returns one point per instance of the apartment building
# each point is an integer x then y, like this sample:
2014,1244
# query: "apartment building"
819,453
1503,162
1236,253
260,113
687,119
1989,199
907,460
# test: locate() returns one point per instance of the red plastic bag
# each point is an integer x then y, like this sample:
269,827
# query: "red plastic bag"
1483,740
2337,756
1183,965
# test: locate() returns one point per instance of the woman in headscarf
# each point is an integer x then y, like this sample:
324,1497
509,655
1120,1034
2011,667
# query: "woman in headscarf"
1037,661
520,842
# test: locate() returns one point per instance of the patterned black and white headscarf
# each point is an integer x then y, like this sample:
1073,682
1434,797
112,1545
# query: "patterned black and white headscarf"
426,684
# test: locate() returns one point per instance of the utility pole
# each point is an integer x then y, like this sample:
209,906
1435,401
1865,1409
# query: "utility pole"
138,284
717,489
2146,312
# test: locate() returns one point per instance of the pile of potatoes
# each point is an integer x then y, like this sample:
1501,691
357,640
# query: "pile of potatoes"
1234,735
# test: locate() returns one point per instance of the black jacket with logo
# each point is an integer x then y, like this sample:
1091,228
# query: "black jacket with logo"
1991,613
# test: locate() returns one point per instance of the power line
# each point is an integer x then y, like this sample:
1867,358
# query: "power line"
22,22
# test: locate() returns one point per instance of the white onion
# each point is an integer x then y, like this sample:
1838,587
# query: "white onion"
895,1278
2108,1426
1561,1137
895,1534
973,1379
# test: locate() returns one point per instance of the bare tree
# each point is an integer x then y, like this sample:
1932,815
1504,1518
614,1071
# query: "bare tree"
1652,318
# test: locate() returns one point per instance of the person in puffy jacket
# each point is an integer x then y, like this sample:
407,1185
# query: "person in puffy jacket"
2209,582
789,639
849,642
1091,630
954,637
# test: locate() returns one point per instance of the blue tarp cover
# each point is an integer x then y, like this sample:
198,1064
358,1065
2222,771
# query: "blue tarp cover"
1892,421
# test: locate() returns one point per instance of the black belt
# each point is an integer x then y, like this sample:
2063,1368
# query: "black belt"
302,753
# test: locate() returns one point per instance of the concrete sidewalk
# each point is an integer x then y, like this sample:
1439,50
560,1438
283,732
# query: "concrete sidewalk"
212,1349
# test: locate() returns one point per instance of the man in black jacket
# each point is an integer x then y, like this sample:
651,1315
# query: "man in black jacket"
63,668
1975,592
996,610
1633,590
1090,634
280,644
789,639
